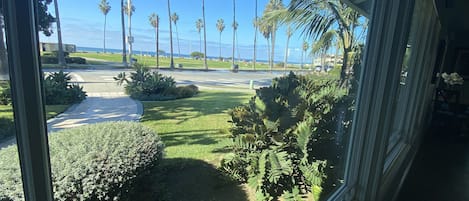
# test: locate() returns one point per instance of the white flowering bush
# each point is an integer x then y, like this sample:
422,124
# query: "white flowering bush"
452,79
95,162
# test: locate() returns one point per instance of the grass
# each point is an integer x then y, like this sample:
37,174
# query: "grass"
187,63
6,118
195,132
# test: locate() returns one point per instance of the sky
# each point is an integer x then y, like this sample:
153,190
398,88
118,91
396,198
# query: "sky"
82,24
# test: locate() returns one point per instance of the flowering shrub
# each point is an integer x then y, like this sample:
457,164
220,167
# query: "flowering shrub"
452,79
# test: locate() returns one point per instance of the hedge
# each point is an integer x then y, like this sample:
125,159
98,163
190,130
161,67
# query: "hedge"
93,162
68,60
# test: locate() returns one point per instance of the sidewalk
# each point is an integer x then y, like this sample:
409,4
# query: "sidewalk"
97,107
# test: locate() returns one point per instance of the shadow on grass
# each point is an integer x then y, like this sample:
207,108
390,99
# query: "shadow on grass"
201,137
205,103
182,179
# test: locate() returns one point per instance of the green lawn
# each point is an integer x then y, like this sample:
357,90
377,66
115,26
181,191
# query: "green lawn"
195,132
187,63
6,117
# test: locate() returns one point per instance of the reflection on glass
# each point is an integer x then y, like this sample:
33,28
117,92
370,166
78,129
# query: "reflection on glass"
399,102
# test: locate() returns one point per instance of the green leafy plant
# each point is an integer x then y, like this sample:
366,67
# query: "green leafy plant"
276,134
59,91
5,93
146,85
94,162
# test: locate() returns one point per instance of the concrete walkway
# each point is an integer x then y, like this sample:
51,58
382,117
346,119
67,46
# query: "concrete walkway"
98,107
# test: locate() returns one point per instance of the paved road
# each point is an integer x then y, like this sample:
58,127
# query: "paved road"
102,80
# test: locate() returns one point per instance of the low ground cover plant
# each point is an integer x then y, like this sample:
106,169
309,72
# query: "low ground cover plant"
93,162
278,138
153,86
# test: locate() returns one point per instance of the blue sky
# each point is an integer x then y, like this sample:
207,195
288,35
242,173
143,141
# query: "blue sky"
82,24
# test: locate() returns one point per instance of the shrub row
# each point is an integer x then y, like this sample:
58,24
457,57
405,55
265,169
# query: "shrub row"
93,162
68,60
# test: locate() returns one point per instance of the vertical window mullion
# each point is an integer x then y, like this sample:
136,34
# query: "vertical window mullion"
23,56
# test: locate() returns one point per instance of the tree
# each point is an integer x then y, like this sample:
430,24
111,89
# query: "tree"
235,27
220,28
105,8
256,27
124,51
322,45
171,63
205,36
199,24
317,17
272,7
45,19
155,21
174,19
129,10
234,34
266,30
60,55
305,48
289,33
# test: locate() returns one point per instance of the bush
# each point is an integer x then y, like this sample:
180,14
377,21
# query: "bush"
7,128
5,93
59,91
49,60
280,135
75,60
197,55
153,86
56,54
93,162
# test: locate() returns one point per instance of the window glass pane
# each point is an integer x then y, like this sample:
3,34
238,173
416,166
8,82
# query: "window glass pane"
232,128
400,104
11,186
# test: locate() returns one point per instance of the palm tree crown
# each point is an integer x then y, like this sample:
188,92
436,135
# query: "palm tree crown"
199,24
220,28
174,19
104,7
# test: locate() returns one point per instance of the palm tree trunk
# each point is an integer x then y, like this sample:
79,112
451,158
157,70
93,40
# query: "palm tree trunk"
60,55
237,46
344,70
104,35
171,63
268,54
302,59
234,35
124,51
272,40
3,52
285,62
219,45
130,40
157,52
205,36
255,40
200,42
177,36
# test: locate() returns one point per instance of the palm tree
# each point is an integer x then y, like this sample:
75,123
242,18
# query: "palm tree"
289,33
305,48
205,36
129,10
318,17
60,55
3,50
235,27
234,33
199,24
124,51
174,19
220,28
272,7
155,21
105,8
266,30
171,63
323,44
256,27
